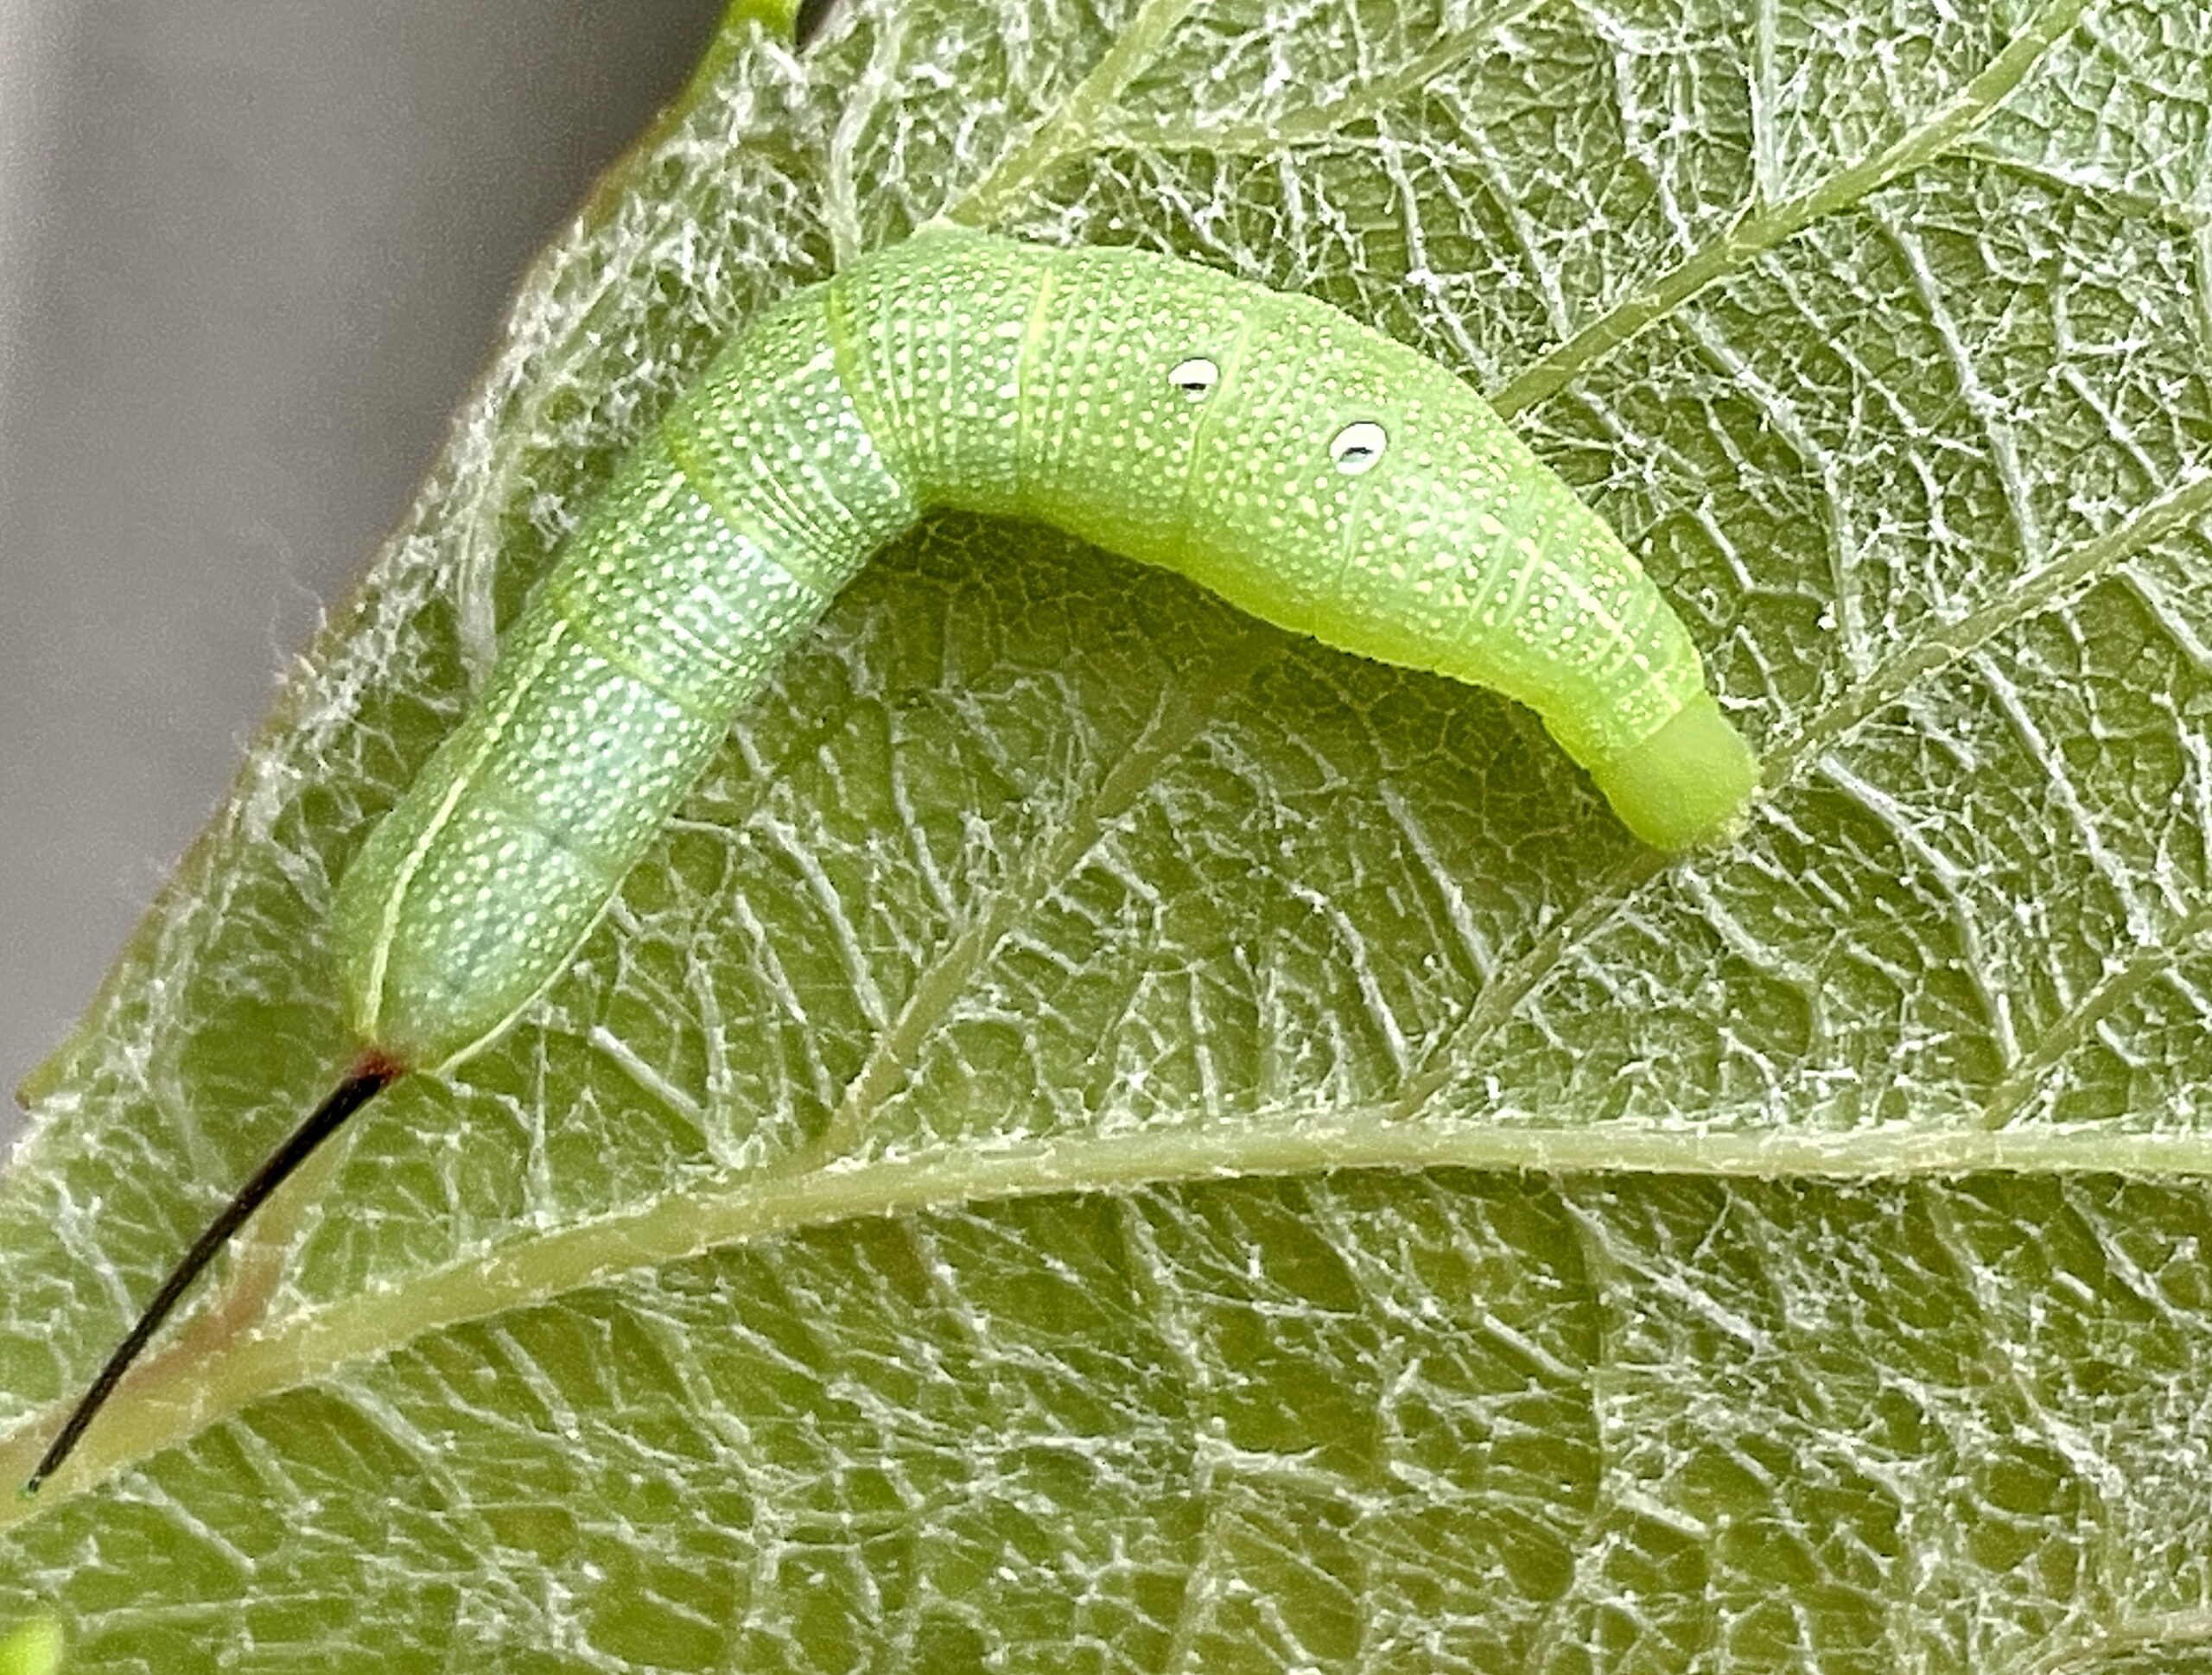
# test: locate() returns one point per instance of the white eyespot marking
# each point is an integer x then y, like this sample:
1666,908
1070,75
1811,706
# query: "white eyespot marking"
1358,447
1195,378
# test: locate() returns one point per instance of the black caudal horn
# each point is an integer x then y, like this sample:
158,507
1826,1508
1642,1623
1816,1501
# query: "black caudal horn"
369,1077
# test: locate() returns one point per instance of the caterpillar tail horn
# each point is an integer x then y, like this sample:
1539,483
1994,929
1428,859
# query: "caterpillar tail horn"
370,1077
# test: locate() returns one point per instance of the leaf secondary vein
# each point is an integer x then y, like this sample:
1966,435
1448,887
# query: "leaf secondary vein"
1761,229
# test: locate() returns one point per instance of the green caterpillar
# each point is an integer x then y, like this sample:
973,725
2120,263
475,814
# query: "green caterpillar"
1309,470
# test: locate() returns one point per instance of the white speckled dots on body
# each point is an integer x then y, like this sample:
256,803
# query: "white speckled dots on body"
1312,472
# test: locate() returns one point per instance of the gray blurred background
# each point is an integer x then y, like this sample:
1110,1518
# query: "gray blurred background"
251,255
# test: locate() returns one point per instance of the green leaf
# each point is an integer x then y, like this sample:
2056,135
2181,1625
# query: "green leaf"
1110,1138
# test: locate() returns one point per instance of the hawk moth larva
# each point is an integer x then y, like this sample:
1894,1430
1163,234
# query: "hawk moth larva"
1314,472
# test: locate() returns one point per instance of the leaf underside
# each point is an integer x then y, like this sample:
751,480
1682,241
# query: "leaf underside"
1109,1137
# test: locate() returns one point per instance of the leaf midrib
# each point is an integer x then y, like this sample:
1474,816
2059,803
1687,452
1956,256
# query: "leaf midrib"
208,1376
